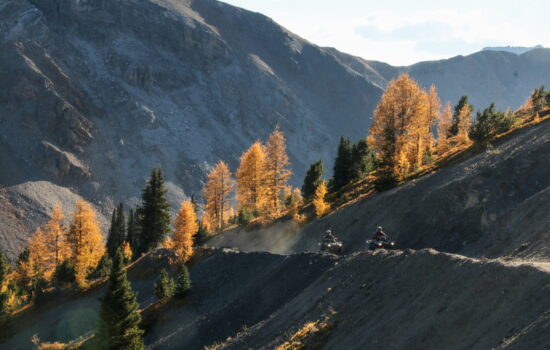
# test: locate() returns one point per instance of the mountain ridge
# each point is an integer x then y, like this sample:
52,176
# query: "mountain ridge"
99,92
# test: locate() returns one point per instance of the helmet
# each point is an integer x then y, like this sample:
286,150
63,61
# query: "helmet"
379,228
329,232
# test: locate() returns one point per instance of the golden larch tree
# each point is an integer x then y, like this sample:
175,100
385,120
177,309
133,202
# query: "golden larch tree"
434,110
127,251
85,241
277,172
250,178
48,246
444,121
217,195
464,123
185,228
56,234
37,264
321,206
400,120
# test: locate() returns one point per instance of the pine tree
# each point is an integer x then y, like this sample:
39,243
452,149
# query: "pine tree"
313,178
4,271
183,282
85,241
134,230
342,164
251,190
277,172
120,317
538,99
155,217
464,119
117,232
164,286
490,123
453,131
443,125
400,121
217,191
321,206
363,161
185,228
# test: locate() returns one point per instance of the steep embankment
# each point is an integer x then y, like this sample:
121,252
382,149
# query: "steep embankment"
493,204
397,300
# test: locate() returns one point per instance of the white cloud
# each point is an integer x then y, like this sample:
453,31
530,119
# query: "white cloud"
400,32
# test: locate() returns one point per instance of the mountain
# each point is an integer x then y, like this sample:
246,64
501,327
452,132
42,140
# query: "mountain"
518,50
491,209
94,93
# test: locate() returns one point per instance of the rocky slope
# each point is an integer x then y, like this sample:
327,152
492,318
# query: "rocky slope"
93,94
494,204
399,300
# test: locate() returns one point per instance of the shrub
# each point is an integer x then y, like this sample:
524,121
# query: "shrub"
490,123
164,286
245,216
183,283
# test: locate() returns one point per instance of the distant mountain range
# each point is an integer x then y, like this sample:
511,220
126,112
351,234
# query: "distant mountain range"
518,50
95,93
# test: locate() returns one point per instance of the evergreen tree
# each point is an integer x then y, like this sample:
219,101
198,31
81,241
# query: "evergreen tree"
342,164
245,216
164,286
539,99
490,123
65,273
363,161
155,217
202,235
462,103
117,232
133,230
183,283
313,178
4,270
103,267
120,317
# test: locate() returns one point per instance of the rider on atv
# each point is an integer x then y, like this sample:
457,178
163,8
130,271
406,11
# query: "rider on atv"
379,235
329,237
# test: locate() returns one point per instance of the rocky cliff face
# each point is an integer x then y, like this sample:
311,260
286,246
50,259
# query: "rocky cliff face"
94,93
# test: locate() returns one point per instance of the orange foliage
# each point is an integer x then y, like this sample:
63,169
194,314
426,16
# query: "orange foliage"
443,125
185,228
276,173
321,206
217,193
401,126
85,241
251,190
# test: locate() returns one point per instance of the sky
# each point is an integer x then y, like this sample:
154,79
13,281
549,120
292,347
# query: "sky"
402,32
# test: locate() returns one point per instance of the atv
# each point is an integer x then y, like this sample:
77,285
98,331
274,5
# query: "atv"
380,244
334,247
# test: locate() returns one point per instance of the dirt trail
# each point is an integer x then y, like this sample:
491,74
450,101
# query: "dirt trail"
382,300
492,205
